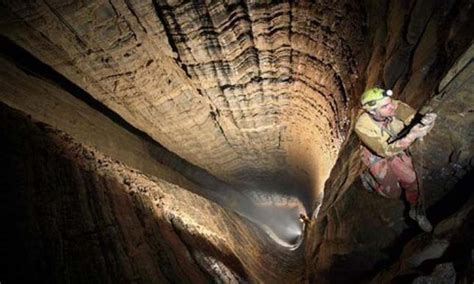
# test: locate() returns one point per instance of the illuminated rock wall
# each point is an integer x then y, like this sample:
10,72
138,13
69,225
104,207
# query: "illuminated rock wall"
236,101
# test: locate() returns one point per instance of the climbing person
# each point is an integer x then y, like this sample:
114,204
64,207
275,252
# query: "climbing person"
390,167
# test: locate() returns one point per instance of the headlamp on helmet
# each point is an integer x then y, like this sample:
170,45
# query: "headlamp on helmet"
372,97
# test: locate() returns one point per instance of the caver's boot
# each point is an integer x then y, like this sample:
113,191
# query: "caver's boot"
417,214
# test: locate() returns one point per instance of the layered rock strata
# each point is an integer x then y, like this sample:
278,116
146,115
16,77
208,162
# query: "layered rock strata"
30,89
233,87
76,215
259,95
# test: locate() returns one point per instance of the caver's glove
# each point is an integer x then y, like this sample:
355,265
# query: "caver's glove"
418,131
429,119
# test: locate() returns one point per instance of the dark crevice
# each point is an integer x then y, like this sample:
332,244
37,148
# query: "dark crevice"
130,7
171,40
447,206
453,200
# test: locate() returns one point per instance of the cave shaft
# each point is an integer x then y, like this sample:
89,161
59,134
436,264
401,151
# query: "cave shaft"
178,141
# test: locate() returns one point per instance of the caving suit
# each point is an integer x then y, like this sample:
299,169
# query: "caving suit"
389,164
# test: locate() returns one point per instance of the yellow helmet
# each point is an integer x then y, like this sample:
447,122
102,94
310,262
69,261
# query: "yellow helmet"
371,96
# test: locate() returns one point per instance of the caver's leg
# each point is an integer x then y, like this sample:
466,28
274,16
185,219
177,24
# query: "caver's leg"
386,178
402,167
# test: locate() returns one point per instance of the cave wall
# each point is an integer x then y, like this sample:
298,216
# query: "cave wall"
423,52
76,215
247,110
244,90
52,104
446,255
32,87
241,89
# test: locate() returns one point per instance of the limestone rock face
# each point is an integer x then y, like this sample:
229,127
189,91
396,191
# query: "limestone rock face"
178,141
79,216
236,88
451,242
431,77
